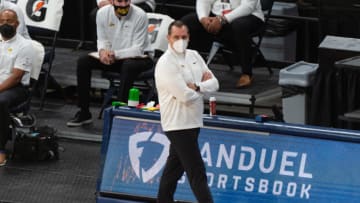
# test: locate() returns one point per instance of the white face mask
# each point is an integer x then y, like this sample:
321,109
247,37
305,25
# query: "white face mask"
180,45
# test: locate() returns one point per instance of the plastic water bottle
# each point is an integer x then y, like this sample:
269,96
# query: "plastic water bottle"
212,106
133,99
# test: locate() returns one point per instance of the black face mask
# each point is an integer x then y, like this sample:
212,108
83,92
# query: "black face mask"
7,31
123,11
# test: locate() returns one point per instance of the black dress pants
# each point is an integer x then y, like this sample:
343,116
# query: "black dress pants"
235,35
129,70
184,155
9,98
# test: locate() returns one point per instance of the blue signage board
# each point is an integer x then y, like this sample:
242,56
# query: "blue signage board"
242,165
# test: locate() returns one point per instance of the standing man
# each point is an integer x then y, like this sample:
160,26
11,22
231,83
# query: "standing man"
230,22
15,66
182,78
122,44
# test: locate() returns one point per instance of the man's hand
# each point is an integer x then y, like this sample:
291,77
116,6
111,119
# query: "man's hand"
103,3
191,86
107,56
206,76
112,57
215,25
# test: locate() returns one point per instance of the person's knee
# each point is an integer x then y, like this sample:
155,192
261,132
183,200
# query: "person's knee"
241,27
4,102
134,66
83,63
190,20
83,60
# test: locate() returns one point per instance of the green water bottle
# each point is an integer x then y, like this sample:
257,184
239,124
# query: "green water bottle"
133,99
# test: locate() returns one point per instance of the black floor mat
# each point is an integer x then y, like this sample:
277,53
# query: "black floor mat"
70,179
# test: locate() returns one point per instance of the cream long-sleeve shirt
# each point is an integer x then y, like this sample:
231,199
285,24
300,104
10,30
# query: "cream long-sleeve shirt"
127,36
239,8
180,106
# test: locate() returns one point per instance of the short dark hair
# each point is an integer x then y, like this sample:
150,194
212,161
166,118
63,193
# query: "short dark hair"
176,23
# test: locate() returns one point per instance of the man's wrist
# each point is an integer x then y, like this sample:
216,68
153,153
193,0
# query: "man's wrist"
222,20
197,87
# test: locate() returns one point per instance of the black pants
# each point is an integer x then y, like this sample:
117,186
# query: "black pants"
9,98
129,70
235,36
185,156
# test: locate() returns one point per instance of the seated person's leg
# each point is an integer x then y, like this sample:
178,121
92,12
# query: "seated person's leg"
130,70
200,39
4,134
236,35
4,131
85,65
2,158
8,98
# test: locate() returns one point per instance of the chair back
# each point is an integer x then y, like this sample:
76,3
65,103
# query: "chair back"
158,27
37,59
43,18
42,13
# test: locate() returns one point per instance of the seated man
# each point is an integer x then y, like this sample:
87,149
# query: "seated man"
122,42
229,22
146,5
22,29
15,65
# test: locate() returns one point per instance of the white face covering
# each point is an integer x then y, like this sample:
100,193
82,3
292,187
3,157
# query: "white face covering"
180,45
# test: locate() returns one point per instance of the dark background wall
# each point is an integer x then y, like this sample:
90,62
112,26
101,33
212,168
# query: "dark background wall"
76,15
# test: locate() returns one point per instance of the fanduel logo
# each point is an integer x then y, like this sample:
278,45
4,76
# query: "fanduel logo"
148,153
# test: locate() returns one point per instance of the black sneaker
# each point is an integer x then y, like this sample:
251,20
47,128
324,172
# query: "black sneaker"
80,119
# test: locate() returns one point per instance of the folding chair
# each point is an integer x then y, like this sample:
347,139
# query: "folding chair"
157,29
266,6
43,18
